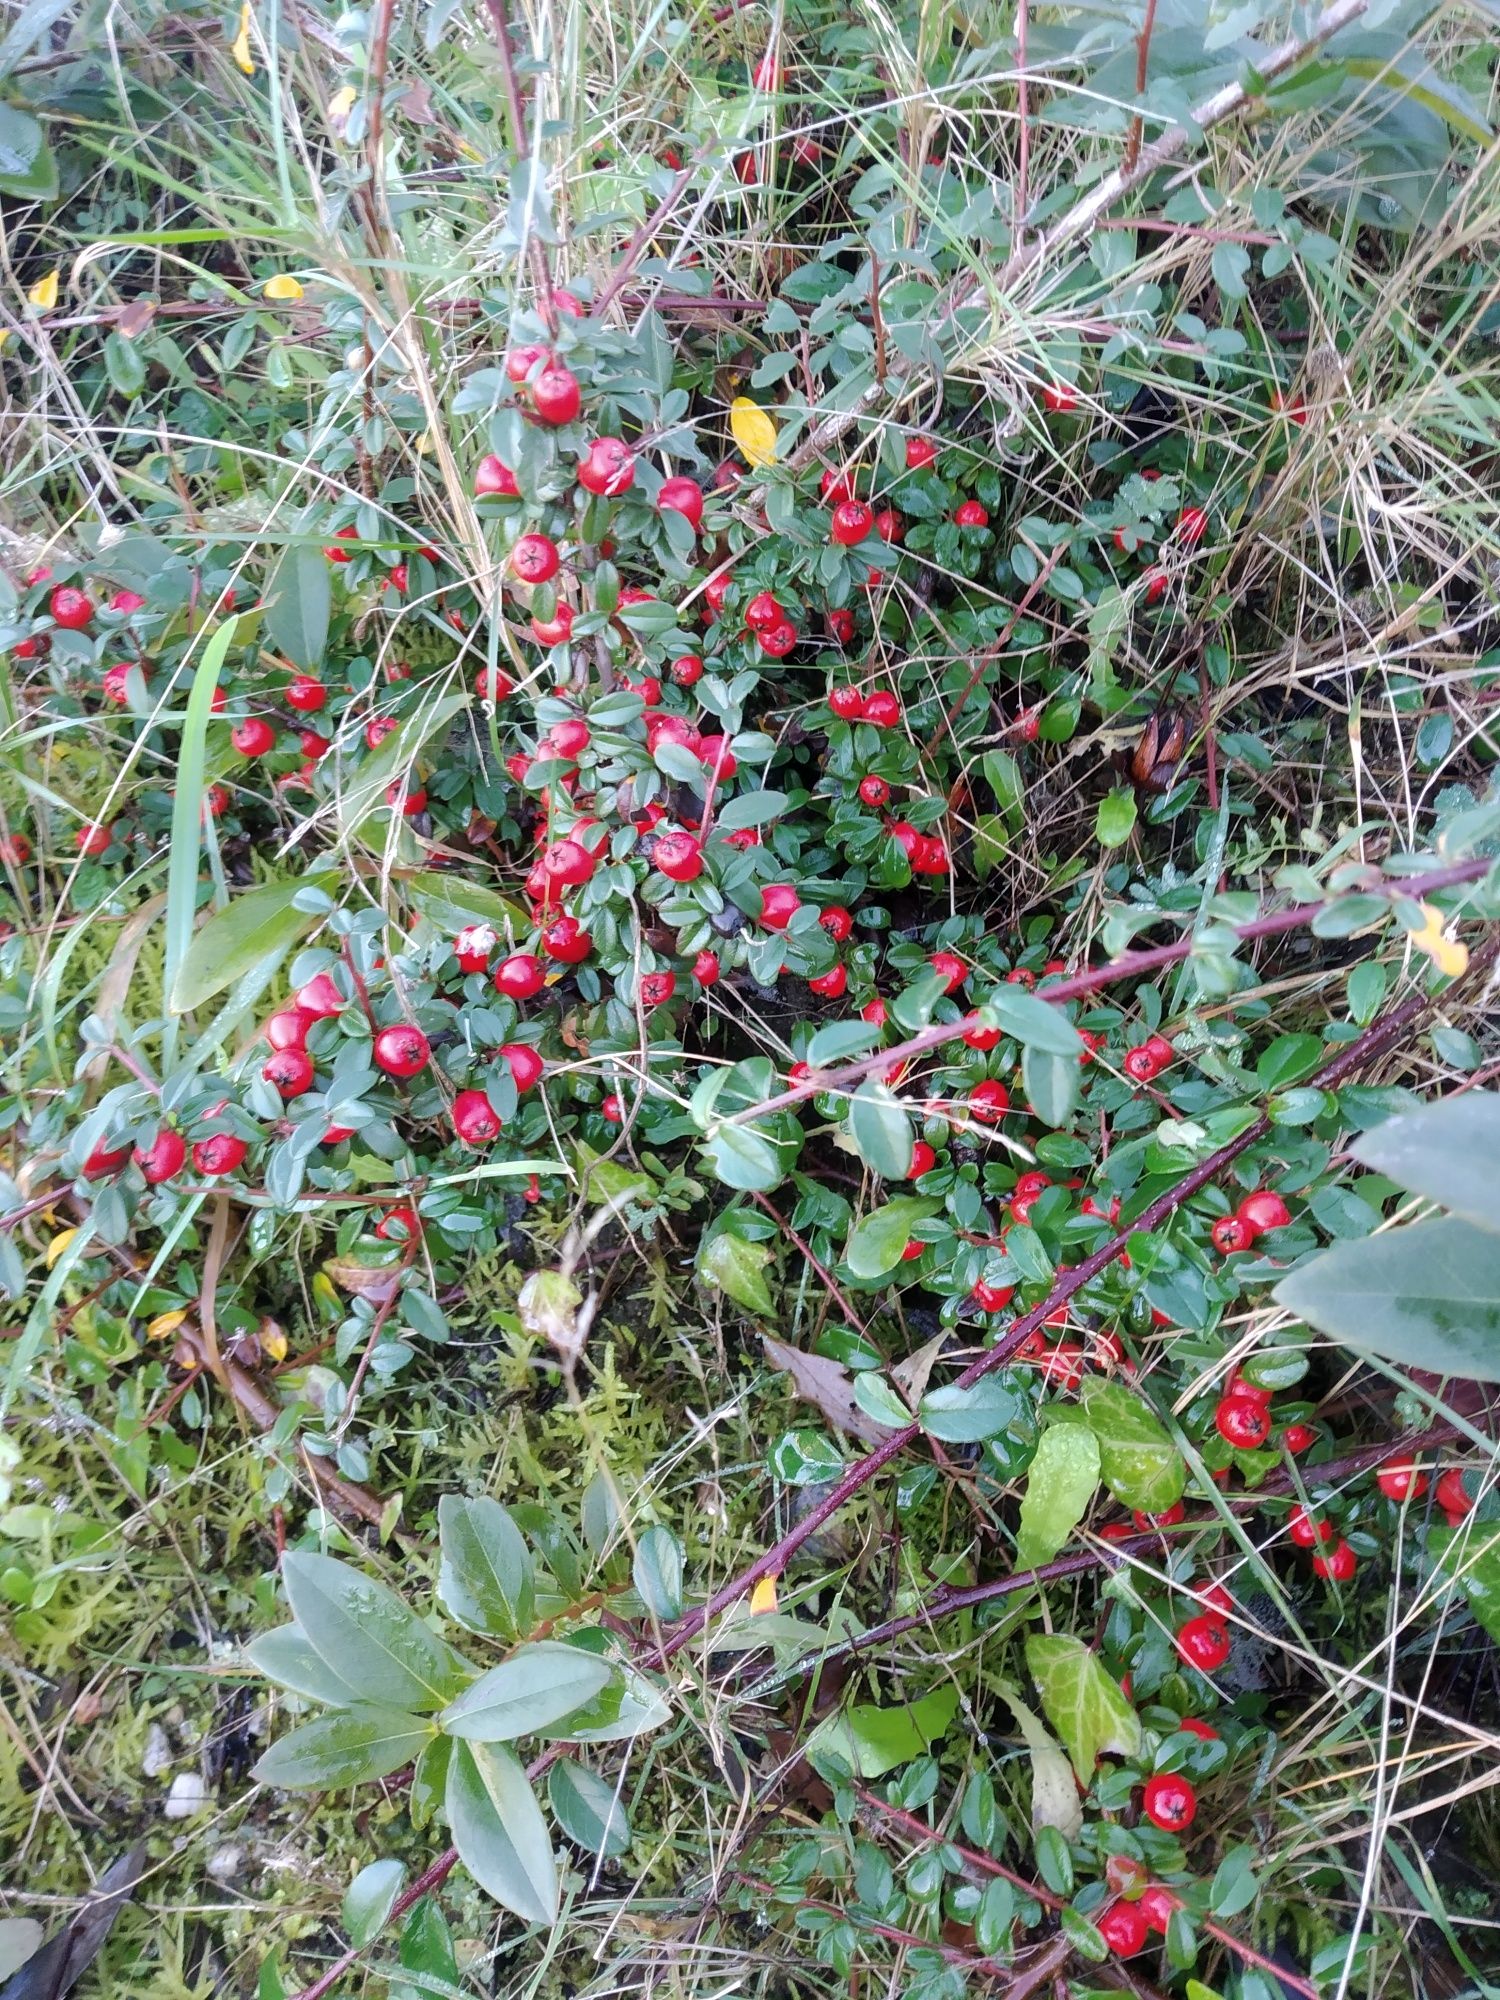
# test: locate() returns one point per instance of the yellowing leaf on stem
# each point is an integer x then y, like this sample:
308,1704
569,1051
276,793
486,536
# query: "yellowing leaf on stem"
1449,955
43,294
165,1324
282,289
342,103
58,1245
754,431
763,1597
241,48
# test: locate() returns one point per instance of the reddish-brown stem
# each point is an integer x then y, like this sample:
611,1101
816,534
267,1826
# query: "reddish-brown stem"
992,653
630,256
1142,57
1374,1041
1130,965
805,1250
432,1877
521,146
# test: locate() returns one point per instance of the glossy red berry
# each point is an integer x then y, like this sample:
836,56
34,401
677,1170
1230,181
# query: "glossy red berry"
1337,1565
923,1160
1298,1438
520,976
1243,1422
992,1298
1399,1479
837,921
763,611
163,1158
1140,1065
657,988
1169,1800
841,627
493,478
534,558
1307,1532
847,703
253,737
1168,1518
219,1155
874,791
398,1224
678,856
401,1050
607,467
472,947
474,1118
555,395
70,608
290,1071
1203,1642
524,1063
1451,1496
94,839
567,941
1230,1234
567,864
520,361
612,1111
979,1037
682,496
851,523
554,631
778,640
920,451
874,1012
778,905
1156,581
319,997
1195,1726
306,694
882,709
989,1101
104,1160
686,669
1123,1928
972,514
706,969
1060,398
889,525
1263,1211
830,985
1156,1905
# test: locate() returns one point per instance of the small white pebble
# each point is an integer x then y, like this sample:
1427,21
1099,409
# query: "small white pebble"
188,1795
226,1864
158,1753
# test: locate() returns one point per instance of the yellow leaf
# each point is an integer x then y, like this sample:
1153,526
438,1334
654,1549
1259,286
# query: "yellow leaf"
166,1324
272,1340
754,431
4,335
324,1293
58,1244
342,102
1449,956
763,1597
241,50
282,288
43,294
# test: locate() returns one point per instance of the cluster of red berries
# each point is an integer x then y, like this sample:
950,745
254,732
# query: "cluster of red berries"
1256,1216
1242,1417
1145,1062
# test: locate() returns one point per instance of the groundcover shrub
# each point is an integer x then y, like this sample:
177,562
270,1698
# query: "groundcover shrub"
748,841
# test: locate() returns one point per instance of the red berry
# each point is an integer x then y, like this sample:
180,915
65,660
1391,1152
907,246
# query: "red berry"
306,694
401,1050
608,467
882,709
290,1070
1307,1532
1204,1642
923,1160
534,558
982,1038
554,631
686,669
1156,1905
971,514
837,921
1028,1185
520,976
253,737
763,611
988,1102
472,947
1338,1565
951,968
219,1155
70,608
555,395
992,1298
474,1118
1195,1726
1262,1211
163,1158
1242,1421
1230,1234
410,800
1062,1364
1192,524
127,602
337,555
874,791
524,1063
1123,1928
94,839
319,997
1451,1496
682,496
1169,1801
313,746
657,988
1161,1049
779,903
841,627
920,451
720,759
1168,1519
1060,397
493,477
398,1224
378,728
873,1011
567,864
612,1111
1156,585
836,486
678,856
1140,1065
1298,1438
852,521
520,361
104,1160
847,703
830,985
567,941
778,640
706,969
889,525
570,737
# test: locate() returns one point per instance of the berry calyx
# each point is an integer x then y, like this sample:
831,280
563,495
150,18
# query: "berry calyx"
1140,1065
1169,1801
474,1118
657,988
837,921
1229,1235
535,558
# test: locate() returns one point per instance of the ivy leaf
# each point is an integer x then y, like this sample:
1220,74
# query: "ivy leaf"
1427,1296
1138,1461
731,1265
871,1741
535,1687
1086,1707
352,1746
365,1633
485,1576
586,1808
499,1831
876,1245
881,1131
1059,1487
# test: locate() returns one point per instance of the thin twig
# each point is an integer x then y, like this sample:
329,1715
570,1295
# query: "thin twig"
1142,55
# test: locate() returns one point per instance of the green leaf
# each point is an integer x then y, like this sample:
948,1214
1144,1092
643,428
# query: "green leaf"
535,1687
657,1573
1288,1059
1235,1886
1055,1802
485,1576
1471,1555
871,1741
285,1657
366,1634
1051,1085
1367,988
258,925
731,1265
876,1243
1115,820
751,809
451,902
499,1831
875,1396
1406,75
1034,1023
1059,1487
27,168
299,604
1446,1151
1138,1461
966,1416
841,1041
394,755
352,1746
370,1898
426,1947
804,1457
881,1131
1427,1296
743,1158
627,1707
1086,1707
185,855
586,1808
124,364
